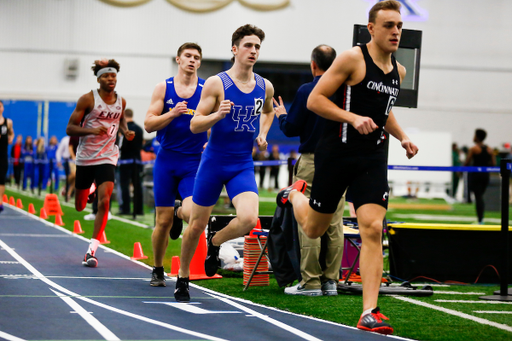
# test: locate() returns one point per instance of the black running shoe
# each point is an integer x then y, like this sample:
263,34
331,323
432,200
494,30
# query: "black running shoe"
283,195
181,293
90,261
177,223
157,277
212,261
373,323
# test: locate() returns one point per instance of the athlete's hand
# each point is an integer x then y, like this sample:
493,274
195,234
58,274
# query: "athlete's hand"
262,143
204,145
179,109
410,148
129,134
99,131
224,108
364,125
279,107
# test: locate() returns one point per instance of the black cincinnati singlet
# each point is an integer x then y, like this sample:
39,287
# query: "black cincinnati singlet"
373,97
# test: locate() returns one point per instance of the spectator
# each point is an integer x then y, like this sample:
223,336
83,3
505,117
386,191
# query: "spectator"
479,155
130,168
6,137
17,160
53,170
64,160
274,170
28,154
40,164
300,121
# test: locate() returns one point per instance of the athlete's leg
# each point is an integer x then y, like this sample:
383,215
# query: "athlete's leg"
369,218
313,223
246,205
104,192
184,210
199,216
160,235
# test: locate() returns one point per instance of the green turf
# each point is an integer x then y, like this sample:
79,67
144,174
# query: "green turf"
409,320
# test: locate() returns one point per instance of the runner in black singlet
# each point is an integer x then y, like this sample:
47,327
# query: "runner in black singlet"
366,82
6,137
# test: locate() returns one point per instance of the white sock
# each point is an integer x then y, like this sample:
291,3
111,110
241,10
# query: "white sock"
93,246
367,311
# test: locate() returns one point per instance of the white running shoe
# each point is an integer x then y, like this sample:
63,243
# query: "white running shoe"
300,290
90,216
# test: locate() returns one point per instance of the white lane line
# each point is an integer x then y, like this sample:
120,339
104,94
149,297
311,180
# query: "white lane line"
97,325
193,308
492,312
41,277
18,276
458,293
473,302
33,235
267,319
456,313
9,337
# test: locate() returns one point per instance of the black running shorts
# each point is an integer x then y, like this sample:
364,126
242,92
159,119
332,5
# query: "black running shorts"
4,166
86,175
365,174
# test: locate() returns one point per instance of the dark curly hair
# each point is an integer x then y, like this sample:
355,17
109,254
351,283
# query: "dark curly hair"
102,63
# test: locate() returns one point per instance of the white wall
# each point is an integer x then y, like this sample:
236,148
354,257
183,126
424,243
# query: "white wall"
466,56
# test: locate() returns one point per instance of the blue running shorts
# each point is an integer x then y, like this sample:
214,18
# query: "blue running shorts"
173,172
215,171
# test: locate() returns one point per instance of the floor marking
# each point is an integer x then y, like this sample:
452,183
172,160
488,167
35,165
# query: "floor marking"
93,322
10,337
8,262
33,235
475,302
444,218
268,319
492,312
194,309
458,293
456,313
41,277
12,276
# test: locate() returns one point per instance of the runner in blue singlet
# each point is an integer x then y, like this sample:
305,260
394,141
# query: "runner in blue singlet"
173,105
233,104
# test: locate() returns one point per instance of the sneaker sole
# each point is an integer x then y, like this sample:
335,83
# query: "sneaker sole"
380,330
330,293
312,294
92,263
157,284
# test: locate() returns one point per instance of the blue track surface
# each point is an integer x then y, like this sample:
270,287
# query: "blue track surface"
46,294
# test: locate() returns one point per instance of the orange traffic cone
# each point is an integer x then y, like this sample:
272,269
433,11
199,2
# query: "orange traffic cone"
103,238
77,229
175,266
256,228
19,204
137,252
31,209
58,220
11,201
5,199
197,264
52,205
42,213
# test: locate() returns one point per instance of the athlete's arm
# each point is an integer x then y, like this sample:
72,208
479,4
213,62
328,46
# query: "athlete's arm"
155,120
84,106
267,116
10,131
394,128
212,98
493,157
343,70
